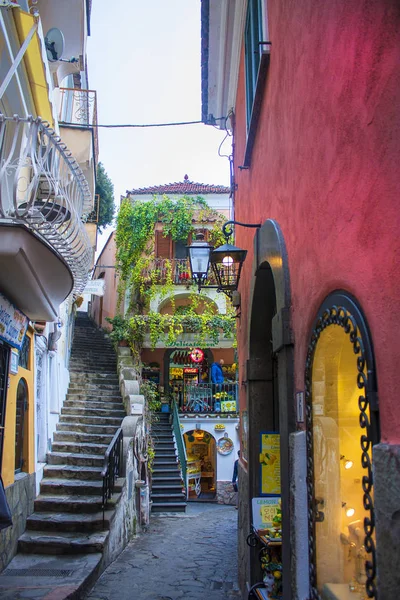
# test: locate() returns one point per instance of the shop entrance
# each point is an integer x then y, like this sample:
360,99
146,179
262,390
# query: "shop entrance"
201,453
185,368
4,361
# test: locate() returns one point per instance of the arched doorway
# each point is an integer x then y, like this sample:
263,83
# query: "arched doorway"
269,379
201,465
342,427
21,410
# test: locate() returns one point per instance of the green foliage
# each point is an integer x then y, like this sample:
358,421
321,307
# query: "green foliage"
140,277
105,189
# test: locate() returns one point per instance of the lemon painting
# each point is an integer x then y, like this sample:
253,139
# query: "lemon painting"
270,461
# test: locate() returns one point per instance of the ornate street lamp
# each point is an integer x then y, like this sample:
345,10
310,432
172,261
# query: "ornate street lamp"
226,260
199,257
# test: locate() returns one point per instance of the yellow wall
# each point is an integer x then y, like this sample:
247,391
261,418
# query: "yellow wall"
8,467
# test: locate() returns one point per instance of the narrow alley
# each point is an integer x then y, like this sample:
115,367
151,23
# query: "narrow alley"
193,555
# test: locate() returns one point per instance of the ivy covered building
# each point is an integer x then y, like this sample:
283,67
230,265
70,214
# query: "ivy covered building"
176,332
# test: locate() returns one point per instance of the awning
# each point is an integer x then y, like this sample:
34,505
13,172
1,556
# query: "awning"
35,66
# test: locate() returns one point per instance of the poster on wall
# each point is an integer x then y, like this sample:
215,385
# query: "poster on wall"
270,463
266,512
13,324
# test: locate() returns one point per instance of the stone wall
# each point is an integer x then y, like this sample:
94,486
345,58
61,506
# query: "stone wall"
20,497
225,493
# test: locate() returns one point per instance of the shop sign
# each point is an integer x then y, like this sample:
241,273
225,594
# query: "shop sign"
13,324
95,287
265,512
189,344
300,406
270,464
191,370
197,355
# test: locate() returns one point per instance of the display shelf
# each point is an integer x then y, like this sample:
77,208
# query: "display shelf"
193,477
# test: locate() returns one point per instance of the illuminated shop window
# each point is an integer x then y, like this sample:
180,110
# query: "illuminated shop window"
338,472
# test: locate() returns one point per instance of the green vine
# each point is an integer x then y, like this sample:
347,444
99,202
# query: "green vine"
140,274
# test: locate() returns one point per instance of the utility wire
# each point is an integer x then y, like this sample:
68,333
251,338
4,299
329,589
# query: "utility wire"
132,125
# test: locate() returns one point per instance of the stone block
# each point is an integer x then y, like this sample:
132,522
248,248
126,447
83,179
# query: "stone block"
127,373
129,387
299,516
386,470
124,351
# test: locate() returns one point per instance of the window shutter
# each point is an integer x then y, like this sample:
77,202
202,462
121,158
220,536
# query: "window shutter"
163,245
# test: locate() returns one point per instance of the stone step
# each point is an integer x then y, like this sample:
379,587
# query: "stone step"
43,542
159,446
75,472
164,472
63,458
66,487
91,420
168,507
85,427
97,403
168,497
71,504
79,448
82,438
81,522
166,454
95,412
164,488
96,378
92,397
93,387
165,462
167,480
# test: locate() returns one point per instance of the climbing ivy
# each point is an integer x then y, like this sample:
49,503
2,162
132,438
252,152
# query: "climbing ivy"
139,279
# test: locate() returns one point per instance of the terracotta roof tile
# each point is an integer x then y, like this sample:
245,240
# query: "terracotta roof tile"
181,187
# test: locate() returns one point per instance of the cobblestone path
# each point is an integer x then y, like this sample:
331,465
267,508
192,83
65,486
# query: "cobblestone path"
190,556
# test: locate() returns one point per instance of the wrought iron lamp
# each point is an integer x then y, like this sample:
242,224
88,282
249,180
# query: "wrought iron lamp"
226,260
199,258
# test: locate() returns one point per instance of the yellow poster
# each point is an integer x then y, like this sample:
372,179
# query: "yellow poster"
270,461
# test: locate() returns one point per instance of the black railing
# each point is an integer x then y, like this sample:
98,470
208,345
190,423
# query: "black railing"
110,472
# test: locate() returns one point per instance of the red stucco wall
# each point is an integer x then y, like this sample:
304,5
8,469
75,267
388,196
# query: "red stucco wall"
325,166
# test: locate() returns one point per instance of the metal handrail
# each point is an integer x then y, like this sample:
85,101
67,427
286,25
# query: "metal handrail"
179,443
112,462
210,397
178,269
43,189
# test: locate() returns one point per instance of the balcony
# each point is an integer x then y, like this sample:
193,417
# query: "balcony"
161,270
206,398
44,249
79,107
77,117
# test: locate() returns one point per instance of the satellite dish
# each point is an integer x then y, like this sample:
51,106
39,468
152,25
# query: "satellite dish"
54,41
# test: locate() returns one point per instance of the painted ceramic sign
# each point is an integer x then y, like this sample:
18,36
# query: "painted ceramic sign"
13,324
224,446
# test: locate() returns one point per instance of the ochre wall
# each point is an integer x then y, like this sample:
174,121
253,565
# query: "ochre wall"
325,166
8,466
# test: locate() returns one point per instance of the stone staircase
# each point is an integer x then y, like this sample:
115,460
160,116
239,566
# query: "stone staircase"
166,491
68,517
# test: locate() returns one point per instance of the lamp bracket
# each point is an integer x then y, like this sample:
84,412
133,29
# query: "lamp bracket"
227,228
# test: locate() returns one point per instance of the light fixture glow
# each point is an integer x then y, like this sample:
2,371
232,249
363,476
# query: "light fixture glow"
346,462
350,512
227,261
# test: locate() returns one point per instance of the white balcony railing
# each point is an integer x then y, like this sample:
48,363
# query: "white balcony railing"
43,188
79,107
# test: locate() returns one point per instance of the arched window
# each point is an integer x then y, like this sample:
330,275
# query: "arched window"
342,426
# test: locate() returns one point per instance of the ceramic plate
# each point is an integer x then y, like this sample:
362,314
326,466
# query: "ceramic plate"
225,445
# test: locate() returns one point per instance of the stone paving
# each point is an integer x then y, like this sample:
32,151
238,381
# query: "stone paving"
191,555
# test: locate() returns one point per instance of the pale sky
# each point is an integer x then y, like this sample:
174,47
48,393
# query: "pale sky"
144,62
